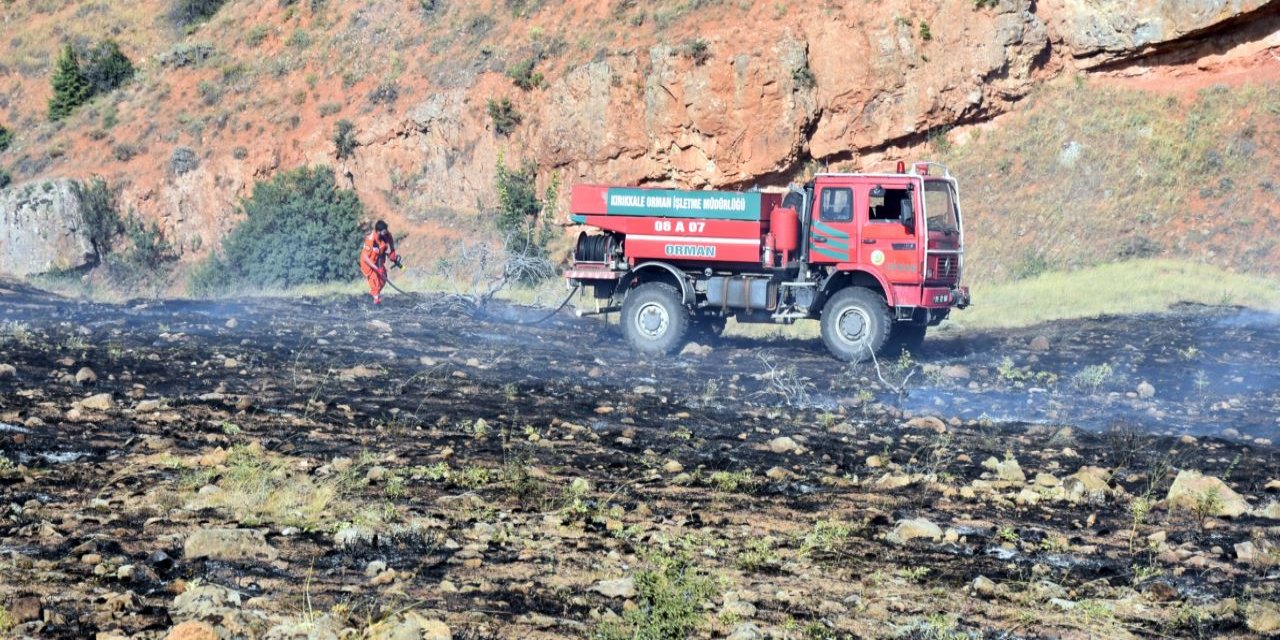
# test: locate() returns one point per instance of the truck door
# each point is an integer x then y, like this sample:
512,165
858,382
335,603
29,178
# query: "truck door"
832,229
887,244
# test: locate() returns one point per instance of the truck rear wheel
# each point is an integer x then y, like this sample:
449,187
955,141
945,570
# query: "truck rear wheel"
654,319
855,323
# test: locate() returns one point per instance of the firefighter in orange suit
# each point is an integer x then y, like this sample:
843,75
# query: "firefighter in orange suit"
378,248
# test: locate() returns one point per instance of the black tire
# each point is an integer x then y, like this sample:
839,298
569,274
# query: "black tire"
855,322
654,319
707,329
905,336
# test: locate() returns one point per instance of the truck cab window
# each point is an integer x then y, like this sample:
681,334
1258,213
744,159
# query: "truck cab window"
887,207
939,202
837,205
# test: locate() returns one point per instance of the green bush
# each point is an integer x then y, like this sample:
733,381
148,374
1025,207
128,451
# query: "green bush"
697,50
106,67
6,138
6,178
670,592
70,88
524,76
299,228
504,116
520,218
101,214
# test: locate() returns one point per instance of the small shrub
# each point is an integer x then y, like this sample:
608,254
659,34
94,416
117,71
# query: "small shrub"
982,4
344,139
70,88
299,39
6,178
524,76
733,481
147,248
124,151
430,7
504,116
670,592
186,54
1033,264
186,13
386,93
329,108
110,116
803,78
1092,377
240,153
925,33
6,138
697,50
520,220
257,35
210,92
106,68
101,214
826,538
183,161
758,555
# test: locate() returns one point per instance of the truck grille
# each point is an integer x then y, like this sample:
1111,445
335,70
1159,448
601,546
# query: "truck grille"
945,268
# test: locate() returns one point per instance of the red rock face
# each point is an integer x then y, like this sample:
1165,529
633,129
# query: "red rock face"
773,89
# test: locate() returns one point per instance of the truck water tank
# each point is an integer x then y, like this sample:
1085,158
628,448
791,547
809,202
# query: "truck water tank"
785,226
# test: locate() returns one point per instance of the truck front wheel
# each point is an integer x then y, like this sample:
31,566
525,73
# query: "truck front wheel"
855,323
654,319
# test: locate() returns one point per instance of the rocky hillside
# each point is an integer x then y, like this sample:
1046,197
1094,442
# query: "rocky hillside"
691,93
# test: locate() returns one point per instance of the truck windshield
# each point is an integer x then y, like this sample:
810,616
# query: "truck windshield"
940,203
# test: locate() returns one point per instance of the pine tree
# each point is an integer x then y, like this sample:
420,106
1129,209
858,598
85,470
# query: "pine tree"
70,89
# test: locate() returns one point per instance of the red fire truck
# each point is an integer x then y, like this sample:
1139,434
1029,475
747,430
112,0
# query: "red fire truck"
874,257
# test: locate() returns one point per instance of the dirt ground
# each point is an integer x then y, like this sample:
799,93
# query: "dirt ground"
320,468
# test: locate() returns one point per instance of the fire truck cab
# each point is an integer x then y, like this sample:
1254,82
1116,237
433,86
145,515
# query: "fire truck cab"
876,258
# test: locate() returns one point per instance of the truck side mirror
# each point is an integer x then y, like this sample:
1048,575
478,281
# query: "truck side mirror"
907,215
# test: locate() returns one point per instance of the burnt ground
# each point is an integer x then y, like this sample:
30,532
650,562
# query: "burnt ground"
508,480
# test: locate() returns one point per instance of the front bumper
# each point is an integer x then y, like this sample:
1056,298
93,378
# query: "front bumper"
945,298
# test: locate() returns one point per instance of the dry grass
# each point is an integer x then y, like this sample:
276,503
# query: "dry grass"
1089,174
1139,286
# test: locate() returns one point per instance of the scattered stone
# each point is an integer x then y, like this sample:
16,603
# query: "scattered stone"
7,371
379,326
956,372
1146,390
1046,480
232,545
619,588
891,481
1263,616
778,474
230,363
1271,511
931,423
99,402
1039,343
912,529
983,586
1010,471
1194,491
746,631
875,462
25,609
737,608
86,376
230,324
148,406
695,349
672,466
192,630
384,577
411,625
783,444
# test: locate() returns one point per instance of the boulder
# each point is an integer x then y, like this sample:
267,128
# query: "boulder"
619,588
1263,617
42,229
1196,492
912,529
192,630
783,444
98,402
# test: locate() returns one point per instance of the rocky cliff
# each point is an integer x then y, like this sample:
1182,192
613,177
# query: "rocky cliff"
696,94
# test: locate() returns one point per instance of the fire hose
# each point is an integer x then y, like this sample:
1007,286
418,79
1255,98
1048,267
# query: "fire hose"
516,322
